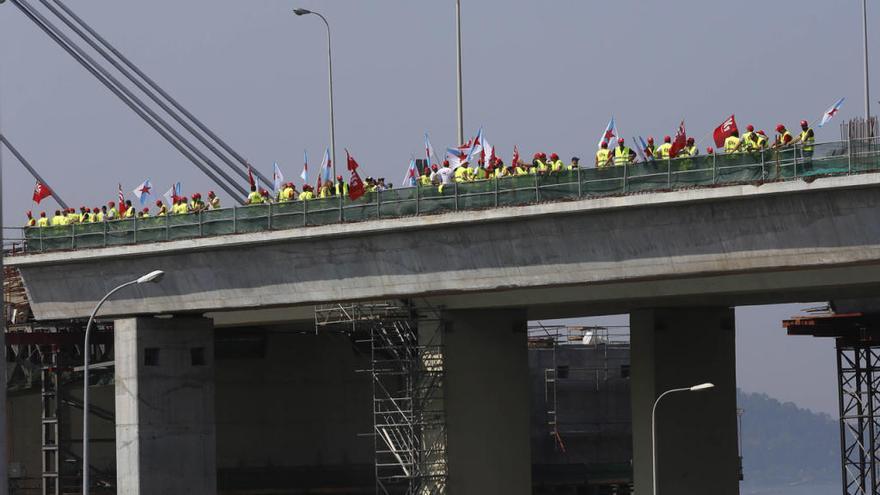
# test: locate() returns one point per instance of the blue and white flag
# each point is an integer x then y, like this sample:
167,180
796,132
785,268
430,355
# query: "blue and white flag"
476,147
429,150
610,132
325,173
305,173
831,112
640,150
172,194
277,177
144,191
412,175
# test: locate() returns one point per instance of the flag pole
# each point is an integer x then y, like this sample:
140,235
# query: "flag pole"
865,36
458,52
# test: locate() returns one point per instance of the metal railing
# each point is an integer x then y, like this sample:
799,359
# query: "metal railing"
822,159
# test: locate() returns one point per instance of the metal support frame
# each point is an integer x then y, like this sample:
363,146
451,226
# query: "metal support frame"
858,373
409,432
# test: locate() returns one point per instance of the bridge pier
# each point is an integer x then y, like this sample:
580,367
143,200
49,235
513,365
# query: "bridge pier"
485,400
696,431
165,426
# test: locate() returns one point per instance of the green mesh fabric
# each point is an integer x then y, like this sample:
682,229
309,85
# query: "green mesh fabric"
661,175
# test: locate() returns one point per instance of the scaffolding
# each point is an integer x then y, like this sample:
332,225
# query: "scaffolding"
406,367
857,339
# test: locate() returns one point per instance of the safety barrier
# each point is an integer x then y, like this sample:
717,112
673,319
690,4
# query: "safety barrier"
822,159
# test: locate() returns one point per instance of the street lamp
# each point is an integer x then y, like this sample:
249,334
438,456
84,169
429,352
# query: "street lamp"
151,277
301,12
695,388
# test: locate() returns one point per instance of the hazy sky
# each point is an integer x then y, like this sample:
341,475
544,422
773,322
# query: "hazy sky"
545,75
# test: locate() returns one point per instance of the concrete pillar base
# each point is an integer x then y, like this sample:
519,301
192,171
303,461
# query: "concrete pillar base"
696,431
165,427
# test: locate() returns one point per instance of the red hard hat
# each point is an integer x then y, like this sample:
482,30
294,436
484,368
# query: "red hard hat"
537,155
690,140
434,167
43,213
604,144
210,193
445,163
183,198
666,139
111,204
780,127
146,210
338,177
650,139
554,156
619,140
709,150
761,132
750,128
804,123
94,210
158,202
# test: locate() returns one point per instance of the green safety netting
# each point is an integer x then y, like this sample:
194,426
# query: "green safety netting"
747,167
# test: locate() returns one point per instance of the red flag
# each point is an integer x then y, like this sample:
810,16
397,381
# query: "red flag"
680,141
251,177
515,161
41,191
122,207
355,184
724,131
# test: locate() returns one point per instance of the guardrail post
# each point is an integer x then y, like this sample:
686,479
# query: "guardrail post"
378,203
418,195
455,193
305,212
41,239
269,217
625,178
201,224
669,174
167,226
580,185
73,236
496,179
849,145
341,199
234,219
537,189
715,168
794,173
104,230
763,167
134,228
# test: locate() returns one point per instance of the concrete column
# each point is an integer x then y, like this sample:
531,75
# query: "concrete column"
165,427
696,431
486,401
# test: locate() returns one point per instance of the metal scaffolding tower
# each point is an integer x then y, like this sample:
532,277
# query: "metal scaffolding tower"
407,367
858,373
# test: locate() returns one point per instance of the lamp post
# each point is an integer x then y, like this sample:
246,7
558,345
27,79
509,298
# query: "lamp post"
301,12
458,58
695,388
153,276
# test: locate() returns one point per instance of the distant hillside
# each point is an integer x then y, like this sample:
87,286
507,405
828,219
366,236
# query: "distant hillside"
783,444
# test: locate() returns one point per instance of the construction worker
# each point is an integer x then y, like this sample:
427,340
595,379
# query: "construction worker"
254,198
324,191
43,221
556,164
85,216
710,151
762,140
129,210
97,216
732,143
341,186
807,137
112,213
623,154
30,219
500,170
163,210
58,219
425,178
145,213
575,163
664,151
603,155
783,137
213,201
72,216
690,150
196,204
480,173
750,138
306,193
181,207
462,173
104,213
649,149
539,166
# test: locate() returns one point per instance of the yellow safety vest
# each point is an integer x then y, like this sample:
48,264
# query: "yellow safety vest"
808,140
461,174
100,217
425,180
112,212
324,192
689,151
255,198
621,155
129,212
521,171
557,166
162,211
541,166
43,222
215,203
663,151
731,144
602,157
344,188
762,142
146,215
783,139
306,195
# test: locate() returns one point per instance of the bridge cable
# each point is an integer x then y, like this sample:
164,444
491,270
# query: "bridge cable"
31,169
156,122
75,20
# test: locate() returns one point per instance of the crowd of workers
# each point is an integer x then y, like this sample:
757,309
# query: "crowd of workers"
441,175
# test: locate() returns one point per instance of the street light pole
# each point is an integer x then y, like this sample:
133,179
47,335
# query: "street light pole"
695,388
458,50
330,84
153,276
865,35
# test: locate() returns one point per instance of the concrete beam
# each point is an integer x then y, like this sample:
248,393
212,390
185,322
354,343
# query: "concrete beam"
764,242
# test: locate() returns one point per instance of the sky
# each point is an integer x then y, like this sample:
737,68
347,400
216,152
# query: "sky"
543,75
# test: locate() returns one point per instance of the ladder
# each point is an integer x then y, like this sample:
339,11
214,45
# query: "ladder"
50,423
